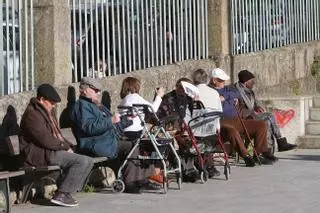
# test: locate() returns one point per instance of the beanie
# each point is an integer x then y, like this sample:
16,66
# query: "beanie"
244,76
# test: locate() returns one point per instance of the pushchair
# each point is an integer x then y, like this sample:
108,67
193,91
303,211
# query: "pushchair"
202,127
154,145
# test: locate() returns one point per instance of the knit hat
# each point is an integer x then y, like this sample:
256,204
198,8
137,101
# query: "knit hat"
91,83
245,75
48,92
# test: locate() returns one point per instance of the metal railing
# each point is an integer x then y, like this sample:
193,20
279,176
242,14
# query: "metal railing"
258,25
17,46
111,37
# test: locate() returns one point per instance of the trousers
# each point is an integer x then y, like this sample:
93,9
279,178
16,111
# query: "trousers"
232,130
75,170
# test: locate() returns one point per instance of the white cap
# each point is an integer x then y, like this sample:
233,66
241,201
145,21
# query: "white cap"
219,73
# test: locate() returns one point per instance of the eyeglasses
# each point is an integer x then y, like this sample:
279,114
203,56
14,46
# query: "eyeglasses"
94,89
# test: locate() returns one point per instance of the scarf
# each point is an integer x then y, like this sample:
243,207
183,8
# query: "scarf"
247,95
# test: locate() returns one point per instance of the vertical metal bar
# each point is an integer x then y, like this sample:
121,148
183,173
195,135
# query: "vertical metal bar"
113,37
1,50
203,46
194,31
148,20
170,23
198,31
161,31
138,34
289,22
144,28
185,17
233,33
156,32
7,73
152,36
32,45
251,24
13,31
20,48
206,27
178,2
74,41
97,30
26,46
124,37
134,35
103,39
129,16
110,61
119,35
317,20
86,28
175,30
165,31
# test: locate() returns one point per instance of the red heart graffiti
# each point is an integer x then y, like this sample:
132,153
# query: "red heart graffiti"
283,117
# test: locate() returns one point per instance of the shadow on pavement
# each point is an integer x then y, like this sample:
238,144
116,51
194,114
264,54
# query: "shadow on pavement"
302,157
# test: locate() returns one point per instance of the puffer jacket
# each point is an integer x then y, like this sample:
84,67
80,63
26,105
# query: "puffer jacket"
37,132
93,128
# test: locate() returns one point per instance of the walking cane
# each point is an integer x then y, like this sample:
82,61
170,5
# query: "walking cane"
246,133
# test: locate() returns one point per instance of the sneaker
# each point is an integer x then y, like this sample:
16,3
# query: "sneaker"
213,172
132,188
283,145
64,199
249,161
270,156
264,161
156,178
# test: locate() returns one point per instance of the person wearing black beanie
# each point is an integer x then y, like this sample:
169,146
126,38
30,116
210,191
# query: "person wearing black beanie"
250,108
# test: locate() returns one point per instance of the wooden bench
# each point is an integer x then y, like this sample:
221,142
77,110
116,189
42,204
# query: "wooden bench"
34,174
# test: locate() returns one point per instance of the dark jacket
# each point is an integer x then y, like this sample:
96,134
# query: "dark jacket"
173,104
229,93
37,132
93,128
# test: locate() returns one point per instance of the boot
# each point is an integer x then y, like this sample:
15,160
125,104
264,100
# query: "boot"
249,161
283,145
270,156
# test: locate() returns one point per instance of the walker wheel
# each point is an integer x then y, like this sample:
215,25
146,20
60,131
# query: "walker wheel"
204,176
118,186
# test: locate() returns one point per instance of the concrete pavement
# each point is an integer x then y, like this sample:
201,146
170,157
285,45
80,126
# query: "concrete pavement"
290,186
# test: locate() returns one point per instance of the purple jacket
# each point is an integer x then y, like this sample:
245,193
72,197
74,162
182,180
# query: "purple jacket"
229,93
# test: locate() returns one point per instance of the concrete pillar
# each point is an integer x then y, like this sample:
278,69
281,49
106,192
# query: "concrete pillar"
52,42
218,24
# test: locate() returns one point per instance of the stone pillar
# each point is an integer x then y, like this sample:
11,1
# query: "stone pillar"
52,42
218,24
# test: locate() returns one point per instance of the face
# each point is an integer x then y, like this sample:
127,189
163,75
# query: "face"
249,84
218,83
92,93
48,105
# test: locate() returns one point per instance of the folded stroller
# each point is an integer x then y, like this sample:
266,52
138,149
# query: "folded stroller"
203,127
153,146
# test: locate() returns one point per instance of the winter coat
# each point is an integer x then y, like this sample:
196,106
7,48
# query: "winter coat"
37,131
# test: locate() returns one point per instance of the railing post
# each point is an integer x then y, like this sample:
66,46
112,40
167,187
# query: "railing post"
218,27
52,33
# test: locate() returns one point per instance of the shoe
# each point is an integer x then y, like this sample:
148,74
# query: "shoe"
264,161
270,156
64,199
213,171
283,145
249,161
132,188
156,178
151,186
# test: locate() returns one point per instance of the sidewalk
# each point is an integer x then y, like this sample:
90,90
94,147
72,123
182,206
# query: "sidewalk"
290,186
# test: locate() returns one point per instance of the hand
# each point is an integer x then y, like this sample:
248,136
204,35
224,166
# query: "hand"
222,98
260,110
160,92
70,150
115,118
236,101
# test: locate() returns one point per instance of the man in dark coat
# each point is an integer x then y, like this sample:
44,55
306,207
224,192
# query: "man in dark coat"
45,145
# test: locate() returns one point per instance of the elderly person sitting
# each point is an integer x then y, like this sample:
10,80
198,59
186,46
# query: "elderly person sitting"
97,132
